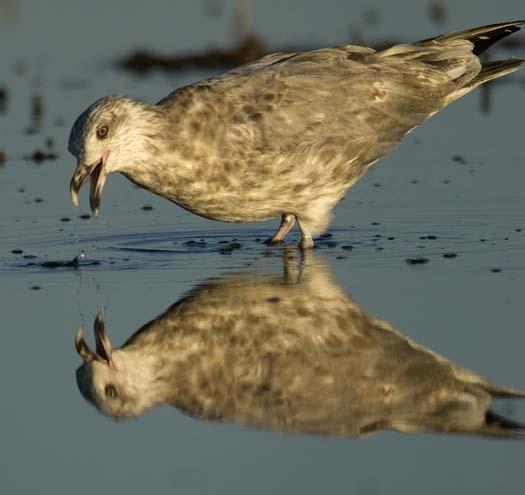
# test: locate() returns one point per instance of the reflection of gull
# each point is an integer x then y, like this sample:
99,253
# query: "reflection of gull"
293,354
286,135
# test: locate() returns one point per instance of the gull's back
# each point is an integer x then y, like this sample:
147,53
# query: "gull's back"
293,131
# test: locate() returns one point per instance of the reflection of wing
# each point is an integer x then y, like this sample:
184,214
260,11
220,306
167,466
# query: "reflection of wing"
302,357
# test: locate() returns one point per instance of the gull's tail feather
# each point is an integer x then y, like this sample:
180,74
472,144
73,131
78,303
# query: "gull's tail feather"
465,66
493,70
481,37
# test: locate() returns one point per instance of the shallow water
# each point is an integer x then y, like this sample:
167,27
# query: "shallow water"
454,186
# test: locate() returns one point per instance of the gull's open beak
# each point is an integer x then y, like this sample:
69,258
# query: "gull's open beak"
97,173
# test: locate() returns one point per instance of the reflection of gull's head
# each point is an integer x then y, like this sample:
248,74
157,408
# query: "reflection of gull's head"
291,353
110,378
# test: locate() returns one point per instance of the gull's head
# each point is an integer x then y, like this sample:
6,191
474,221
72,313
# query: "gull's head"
110,136
108,378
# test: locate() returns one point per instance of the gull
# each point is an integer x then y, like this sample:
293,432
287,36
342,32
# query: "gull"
284,136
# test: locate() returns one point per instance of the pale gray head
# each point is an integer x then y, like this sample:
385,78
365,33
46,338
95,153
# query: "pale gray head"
109,379
110,136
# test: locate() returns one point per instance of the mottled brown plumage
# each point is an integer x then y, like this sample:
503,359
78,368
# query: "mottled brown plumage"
286,135
291,353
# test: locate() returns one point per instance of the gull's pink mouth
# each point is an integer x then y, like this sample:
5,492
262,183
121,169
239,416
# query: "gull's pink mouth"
98,174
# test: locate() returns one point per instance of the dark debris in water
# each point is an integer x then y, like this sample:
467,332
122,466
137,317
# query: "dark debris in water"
192,243
143,61
450,255
76,262
417,261
229,248
459,159
40,156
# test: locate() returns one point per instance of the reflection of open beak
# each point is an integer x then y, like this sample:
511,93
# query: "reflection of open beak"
98,174
103,347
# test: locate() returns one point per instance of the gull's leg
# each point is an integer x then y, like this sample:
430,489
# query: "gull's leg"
287,222
306,238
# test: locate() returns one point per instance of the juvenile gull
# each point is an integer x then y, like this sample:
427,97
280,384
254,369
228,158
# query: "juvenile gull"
286,135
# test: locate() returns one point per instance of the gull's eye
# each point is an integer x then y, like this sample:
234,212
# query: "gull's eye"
102,132
110,391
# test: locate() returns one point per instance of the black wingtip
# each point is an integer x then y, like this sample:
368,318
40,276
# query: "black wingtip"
485,40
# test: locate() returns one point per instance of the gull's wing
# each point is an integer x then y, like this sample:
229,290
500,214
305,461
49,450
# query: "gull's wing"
349,102
345,92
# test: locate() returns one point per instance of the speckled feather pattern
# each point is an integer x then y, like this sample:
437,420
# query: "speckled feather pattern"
289,133
294,354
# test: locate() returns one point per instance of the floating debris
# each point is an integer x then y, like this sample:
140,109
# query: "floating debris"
17,251
41,156
273,300
347,247
2,158
416,261
450,255
147,208
229,248
195,243
143,61
74,263
35,287
459,159
495,270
